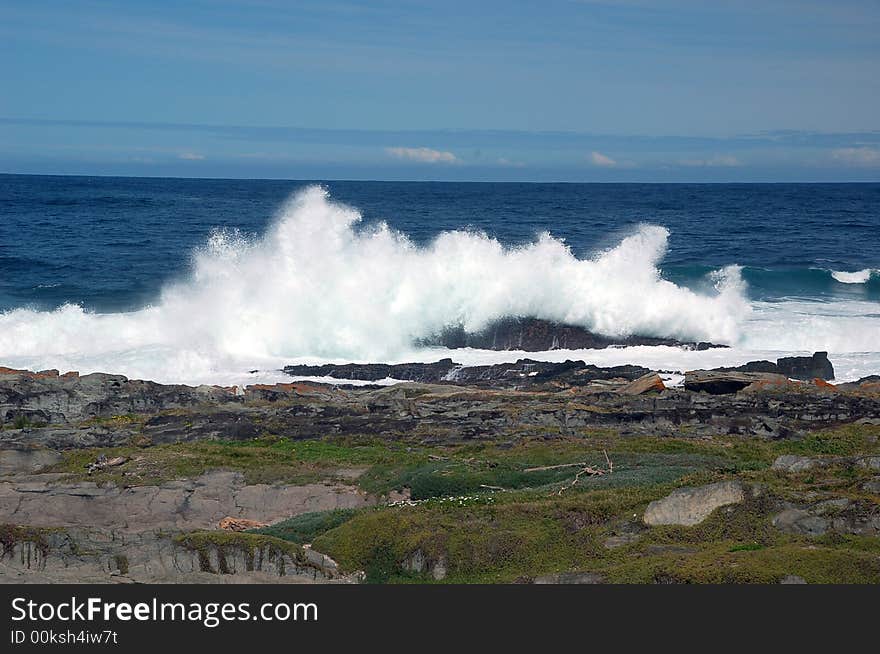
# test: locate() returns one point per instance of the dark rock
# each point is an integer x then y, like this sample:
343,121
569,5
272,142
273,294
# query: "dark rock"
522,373
806,368
752,366
536,335
722,383
427,373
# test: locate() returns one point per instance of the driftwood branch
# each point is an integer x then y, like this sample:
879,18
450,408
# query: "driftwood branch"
590,471
580,464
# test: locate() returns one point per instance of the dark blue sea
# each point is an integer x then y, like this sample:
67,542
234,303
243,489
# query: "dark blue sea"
207,275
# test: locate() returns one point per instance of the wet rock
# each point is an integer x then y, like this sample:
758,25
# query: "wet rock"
519,374
752,366
418,372
806,368
690,506
535,335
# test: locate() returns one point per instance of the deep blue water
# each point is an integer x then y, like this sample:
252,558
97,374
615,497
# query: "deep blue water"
112,243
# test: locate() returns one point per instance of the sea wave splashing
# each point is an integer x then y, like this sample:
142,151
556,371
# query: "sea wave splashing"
857,277
320,284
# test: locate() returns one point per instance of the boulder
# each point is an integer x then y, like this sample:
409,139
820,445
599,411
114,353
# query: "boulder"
838,515
690,506
800,521
807,368
644,384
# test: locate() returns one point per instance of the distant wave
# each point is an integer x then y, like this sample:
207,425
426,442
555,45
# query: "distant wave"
787,282
858,277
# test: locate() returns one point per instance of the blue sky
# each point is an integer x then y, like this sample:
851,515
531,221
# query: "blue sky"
620,90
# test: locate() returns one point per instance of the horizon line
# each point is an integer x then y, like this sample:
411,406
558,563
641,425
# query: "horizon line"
317,180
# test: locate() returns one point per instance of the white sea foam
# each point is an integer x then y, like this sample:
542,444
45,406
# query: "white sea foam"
319,287
857,277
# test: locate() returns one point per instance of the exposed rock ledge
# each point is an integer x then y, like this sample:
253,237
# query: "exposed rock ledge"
88,555
48,501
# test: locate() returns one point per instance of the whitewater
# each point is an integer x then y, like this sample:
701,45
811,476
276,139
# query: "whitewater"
321,286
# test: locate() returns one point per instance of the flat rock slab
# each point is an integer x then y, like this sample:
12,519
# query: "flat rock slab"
186,504
690,506
14,462
723,383
108,556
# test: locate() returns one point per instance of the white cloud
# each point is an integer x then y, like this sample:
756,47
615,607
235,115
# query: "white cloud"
422,155
718,161
191,156
603,160
857,156
510,163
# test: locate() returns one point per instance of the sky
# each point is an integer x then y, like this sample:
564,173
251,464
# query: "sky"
558,90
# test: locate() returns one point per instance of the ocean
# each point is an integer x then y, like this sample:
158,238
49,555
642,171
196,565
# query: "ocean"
205,281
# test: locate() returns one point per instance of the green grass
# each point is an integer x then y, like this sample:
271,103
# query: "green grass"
308,526
263,460
528,529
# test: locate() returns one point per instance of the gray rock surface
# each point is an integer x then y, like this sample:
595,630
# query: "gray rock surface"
47,501
690,506
108,556
794,463
840,515
570,578
14,461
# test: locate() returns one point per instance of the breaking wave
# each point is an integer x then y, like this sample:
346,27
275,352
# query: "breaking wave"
320,284
858,277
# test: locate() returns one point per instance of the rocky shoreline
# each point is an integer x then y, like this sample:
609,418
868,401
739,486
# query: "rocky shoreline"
145,473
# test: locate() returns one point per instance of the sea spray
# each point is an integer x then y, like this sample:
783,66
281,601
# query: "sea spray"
320,284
